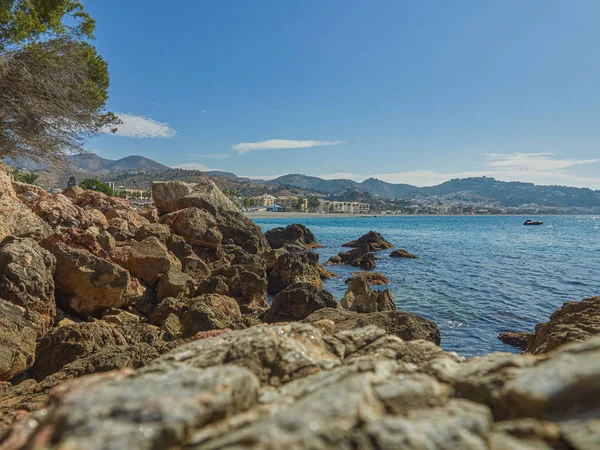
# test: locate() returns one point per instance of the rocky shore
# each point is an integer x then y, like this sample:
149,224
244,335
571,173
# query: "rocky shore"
152,329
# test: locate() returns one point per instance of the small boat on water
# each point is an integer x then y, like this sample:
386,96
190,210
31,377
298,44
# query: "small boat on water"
531,222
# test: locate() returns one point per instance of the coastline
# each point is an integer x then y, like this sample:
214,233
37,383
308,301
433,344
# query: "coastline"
307,215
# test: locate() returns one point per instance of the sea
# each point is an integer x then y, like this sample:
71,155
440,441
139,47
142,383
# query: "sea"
477,276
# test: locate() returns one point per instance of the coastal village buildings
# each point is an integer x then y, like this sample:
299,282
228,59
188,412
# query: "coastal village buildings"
326,206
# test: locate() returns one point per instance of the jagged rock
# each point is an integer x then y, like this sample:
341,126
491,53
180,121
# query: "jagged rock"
171,325
196,226
119,228
119,317
248,288
361,298
16,218
26,279
165,307
134,221
293,237
150,214
399,253
174,283
372,278
181,249
372,239
299,301
515,339
195,268
205,195
158,230
293,268
361,256
86,283
106,241
17,341
149,260
210,312
213,285
405,325
574,321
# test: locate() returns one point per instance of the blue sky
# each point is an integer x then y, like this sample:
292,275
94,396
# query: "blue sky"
406,91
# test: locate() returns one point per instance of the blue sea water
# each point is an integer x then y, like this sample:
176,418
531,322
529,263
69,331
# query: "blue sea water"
477,276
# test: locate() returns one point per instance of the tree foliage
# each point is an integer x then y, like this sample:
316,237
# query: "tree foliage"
91,184
53,83
30,178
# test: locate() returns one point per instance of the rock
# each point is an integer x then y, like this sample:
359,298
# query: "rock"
86,283
406,326
372,239
149,260
120,317
196,226
195,268
164,308
399,253
210,312
171,325
515,339
299,301
26,279
17,341
293,268
166,195
106,241
213,285
248,288
361,257
150,214
293,237
174,283
361,298
574,321
119,228
16,218
134,221
372,278
158,230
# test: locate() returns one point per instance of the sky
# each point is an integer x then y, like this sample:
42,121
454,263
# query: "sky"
414,92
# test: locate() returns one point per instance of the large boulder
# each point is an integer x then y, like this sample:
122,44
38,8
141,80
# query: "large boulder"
17,341
150,259
210,312
196,226
299,301
86,283
26,279
374,240
361,297
574,321
293,268
293,237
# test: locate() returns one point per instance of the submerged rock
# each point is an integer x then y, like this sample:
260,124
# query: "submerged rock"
399,253
374,240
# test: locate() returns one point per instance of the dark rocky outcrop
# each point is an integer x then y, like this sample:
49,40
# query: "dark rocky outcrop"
514,339
299,301
399,253
294,237
373,278
374,240
361,297
210,312
293,268
361,257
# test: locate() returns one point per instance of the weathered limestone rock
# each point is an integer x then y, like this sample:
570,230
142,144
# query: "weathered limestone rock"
574,321
372,278
399,253
210,312
372,239
196,226
299,301
293,237
293,268
174,283
405,325
17,341
26,279
86,283
360,297
149,260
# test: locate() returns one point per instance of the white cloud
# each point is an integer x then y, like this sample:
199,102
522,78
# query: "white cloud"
209,155
279,144
194,166
539,168
141,127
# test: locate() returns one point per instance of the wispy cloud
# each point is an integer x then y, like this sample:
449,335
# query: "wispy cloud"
279,144
141,127
203,111
539,168
209,155
194,166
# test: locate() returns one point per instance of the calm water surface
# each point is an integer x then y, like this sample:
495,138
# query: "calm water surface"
477,276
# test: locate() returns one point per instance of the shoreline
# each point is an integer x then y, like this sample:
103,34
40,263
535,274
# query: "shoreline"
306,215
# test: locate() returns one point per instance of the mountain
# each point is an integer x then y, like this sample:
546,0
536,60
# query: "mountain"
101,166
315,184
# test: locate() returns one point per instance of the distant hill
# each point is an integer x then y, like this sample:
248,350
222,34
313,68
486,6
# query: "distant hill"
101,166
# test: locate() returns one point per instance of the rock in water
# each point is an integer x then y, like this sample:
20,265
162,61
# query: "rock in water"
361,298
399,253
299,301
373,239
361,257
294,237
293,268
373,278
515,339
